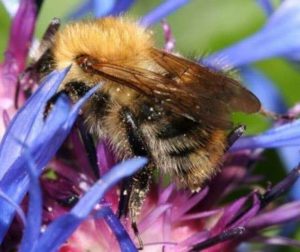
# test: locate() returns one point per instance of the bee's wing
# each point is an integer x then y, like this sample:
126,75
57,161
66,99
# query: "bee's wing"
210,84
185,88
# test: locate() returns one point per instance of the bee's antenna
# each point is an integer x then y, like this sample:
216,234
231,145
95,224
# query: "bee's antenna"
234,135
269,114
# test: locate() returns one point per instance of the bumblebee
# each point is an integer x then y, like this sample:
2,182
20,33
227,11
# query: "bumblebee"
152,103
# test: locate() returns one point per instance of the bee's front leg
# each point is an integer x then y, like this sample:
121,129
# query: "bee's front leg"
134,189
75,90
51,102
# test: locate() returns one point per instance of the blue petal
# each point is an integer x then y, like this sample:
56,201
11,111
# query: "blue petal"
34,215
267,6
281,136
34,212
280,37
101,8
59,230
264,89
19,210
121,6
162,11
119,231
290,157
287,11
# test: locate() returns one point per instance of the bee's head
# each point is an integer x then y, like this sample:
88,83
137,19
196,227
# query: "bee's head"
115,40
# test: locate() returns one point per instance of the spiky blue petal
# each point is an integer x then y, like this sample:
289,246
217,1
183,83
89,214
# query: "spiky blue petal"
34,212
280,37
126,244
281,136
101,8
162,11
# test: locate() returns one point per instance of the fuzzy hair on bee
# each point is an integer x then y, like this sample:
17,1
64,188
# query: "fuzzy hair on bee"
154,103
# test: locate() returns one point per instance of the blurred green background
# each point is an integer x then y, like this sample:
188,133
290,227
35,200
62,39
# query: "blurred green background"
201,27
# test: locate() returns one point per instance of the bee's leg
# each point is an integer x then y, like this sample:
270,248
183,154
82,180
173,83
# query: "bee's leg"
140,187
51,102
276,116
89,146
271,115
134,189
75,90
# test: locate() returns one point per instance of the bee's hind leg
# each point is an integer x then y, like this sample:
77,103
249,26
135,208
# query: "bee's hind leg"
134,190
